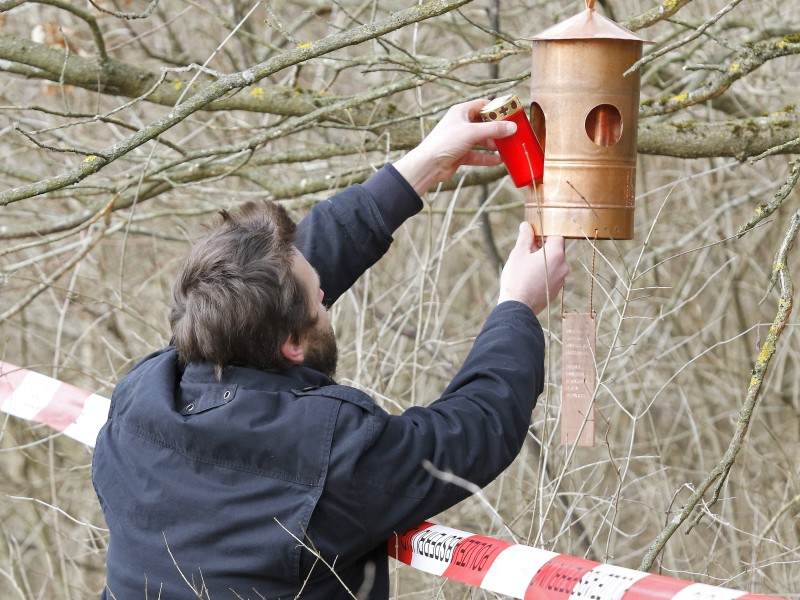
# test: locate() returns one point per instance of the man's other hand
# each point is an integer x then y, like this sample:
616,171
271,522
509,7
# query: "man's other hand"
534,274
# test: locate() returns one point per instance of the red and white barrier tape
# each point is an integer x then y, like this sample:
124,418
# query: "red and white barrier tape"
70,410
502,567
531,574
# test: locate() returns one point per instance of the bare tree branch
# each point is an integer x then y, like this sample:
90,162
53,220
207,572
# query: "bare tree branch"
235,81
719,474
739,65
677,44
663,11
737,138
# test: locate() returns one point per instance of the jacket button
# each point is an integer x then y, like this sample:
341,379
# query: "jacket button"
226,395
190,408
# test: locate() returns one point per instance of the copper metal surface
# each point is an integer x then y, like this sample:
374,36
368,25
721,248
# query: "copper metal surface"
585,114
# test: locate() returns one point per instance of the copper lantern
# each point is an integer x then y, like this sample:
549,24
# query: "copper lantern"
584,114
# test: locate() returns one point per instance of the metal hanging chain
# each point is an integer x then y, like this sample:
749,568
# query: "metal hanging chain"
591,282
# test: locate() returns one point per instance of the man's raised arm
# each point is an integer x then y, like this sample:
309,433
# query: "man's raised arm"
344,236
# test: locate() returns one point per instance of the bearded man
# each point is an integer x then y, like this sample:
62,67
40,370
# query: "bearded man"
232,465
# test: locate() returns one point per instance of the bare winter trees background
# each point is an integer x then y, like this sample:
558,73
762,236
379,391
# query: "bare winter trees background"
126,124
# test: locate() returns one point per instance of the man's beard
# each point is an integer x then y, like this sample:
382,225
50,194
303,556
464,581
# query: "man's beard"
321,352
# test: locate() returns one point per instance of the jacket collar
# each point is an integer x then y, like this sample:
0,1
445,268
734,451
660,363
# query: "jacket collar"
295,377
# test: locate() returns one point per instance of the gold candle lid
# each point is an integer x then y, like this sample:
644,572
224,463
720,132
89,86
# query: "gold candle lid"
501,108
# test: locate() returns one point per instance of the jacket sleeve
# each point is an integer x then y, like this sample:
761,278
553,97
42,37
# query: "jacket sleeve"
379,483
344,236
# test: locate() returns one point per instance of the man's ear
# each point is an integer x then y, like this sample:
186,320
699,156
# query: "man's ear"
292,350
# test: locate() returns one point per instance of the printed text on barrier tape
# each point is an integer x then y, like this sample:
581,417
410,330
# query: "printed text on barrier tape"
531,574
514,570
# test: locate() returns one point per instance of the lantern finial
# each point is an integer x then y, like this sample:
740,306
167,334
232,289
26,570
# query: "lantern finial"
590,4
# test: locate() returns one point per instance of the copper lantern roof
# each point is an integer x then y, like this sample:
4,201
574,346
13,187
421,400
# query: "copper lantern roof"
588,25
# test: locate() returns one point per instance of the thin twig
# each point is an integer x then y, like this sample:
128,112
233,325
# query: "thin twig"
677,44
128,16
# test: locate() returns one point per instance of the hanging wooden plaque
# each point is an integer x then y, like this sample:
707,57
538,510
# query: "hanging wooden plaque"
579,379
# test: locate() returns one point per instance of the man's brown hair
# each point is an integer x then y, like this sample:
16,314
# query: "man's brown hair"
236,298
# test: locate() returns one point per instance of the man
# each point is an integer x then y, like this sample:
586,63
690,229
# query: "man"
233,466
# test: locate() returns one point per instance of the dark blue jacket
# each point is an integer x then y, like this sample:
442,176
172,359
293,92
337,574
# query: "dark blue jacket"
263,484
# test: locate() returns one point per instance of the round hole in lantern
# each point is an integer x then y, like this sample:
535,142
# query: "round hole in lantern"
604,125
538,123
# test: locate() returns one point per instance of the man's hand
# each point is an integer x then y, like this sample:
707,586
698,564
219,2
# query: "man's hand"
534,274
451,144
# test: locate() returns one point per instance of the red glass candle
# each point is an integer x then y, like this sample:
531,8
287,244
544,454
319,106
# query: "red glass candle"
521,152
